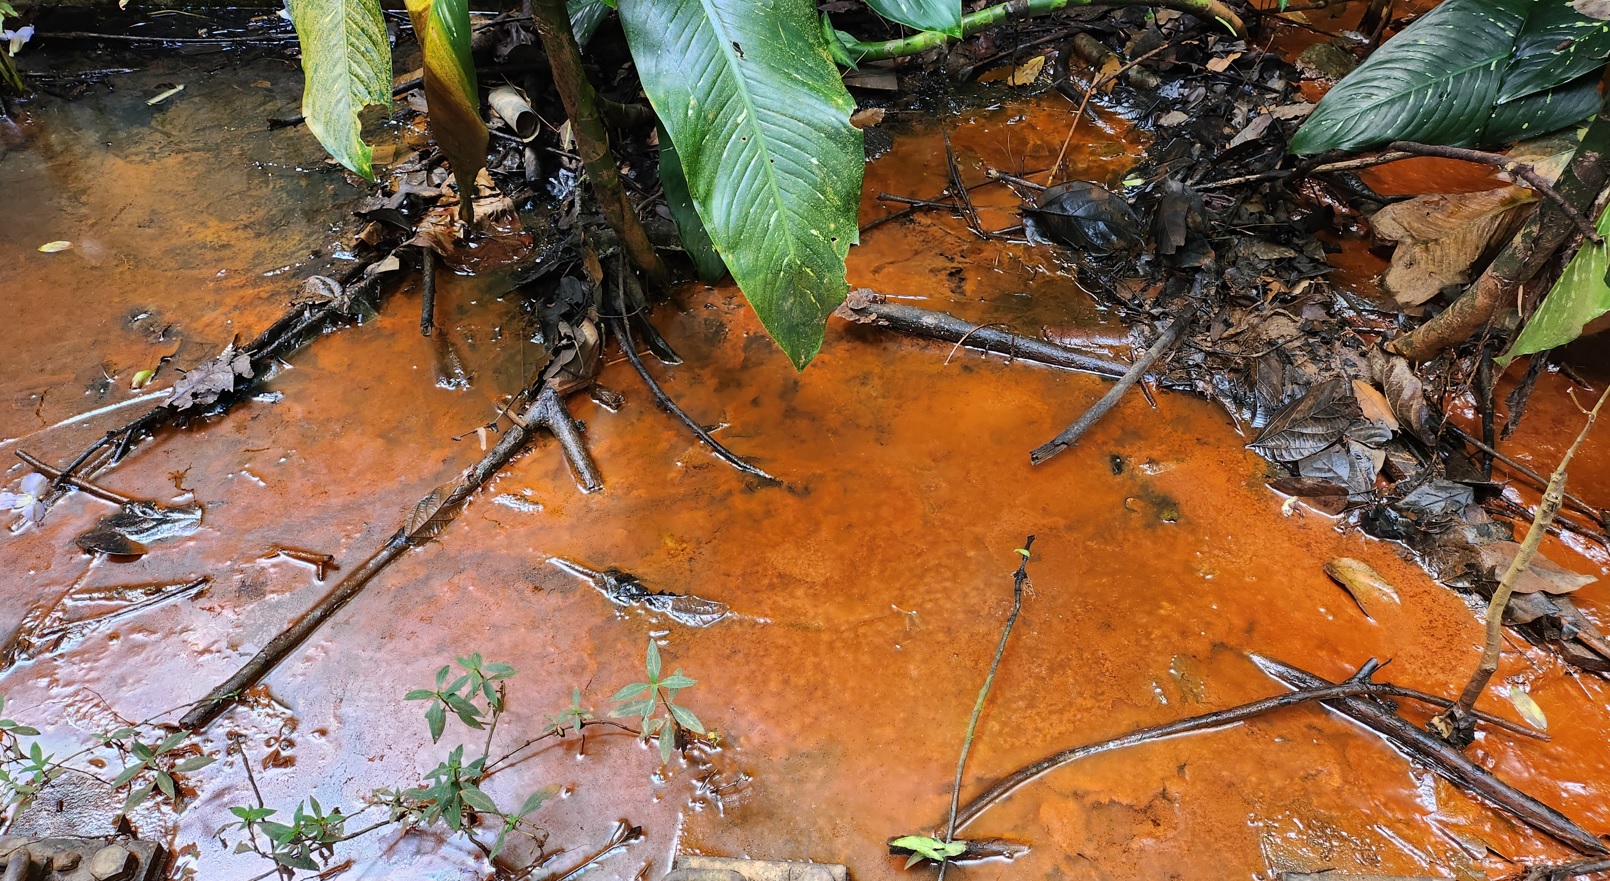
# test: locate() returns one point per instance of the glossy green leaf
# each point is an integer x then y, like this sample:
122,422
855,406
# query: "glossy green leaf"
761,121
346,66
1435,82
1543,112
1580,296
1557,44
452,95
585,17
695,240
944,16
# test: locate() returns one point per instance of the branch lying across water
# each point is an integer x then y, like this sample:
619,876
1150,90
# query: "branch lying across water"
1345,697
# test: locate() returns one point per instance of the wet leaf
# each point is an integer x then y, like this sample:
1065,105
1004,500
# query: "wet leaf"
1437,498
944,16
1084,215
1542,575
432,514
1404,392
54,247
127,531
452,94
1372,592
1027,72
761,122
1580,296
141,377
1441,238
1348,463
202,384
585,17
1309,424
695,240
1558,44
346,64
1528,708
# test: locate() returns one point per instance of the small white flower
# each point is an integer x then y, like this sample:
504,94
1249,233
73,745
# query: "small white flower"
16,38
30,502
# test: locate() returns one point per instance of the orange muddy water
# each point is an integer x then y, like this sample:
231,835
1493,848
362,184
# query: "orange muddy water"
868,592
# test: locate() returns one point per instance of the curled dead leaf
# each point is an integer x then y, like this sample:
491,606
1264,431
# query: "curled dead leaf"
1367,587
1542,575
1374,405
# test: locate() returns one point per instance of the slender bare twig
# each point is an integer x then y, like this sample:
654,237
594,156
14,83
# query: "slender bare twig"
1520,468
1072,433
1019,578
1504,163
1553,497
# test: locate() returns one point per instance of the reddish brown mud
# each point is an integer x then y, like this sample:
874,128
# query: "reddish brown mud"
867,592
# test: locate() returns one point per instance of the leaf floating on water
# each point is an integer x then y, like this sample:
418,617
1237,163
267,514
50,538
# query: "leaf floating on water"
137,524
141,377
1325,496
433,514
1309,424
54,247
1367,587
1027,72
206,381
1543,575
1084,215
1528,708
165,94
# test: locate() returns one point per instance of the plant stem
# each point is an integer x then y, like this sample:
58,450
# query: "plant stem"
991,16
1019,578
592,140
1553,497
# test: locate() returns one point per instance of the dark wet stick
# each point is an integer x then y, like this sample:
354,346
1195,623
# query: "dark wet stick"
98,492
1434,753
427,286
552,414
1072,433
944,326
1562,871
302,627
629,346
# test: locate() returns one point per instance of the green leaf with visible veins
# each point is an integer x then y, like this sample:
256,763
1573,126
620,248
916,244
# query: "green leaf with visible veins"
1558,44
1580,296
585,17
761,121
346,66
944,16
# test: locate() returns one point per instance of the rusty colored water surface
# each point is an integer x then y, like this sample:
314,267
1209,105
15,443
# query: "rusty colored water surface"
868,591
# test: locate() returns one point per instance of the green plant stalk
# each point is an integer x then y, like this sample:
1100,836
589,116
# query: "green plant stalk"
1018,580
991,16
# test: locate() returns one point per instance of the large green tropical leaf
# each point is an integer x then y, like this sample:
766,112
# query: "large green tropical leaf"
1557,44
346,66
1580,296
760,118
1542,112
944,16
695,240
585,17
452,95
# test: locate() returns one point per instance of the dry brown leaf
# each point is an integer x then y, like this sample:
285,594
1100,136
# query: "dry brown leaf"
1221,64
1440,237
1027,72
1543,575
1368,588
1374,405
867,117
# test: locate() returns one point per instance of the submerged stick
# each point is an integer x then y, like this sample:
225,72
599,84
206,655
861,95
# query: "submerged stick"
1019,578
1359,684
426,521
96,490
1553,497
1520,468
1072,433
1443,759
427,290
623,331
866,307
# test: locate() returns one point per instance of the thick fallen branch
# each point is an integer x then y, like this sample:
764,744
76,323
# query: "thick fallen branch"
429,517
1450,763
866,307
1072,433
1318,690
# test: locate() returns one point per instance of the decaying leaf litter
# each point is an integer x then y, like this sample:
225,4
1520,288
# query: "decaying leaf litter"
1311,389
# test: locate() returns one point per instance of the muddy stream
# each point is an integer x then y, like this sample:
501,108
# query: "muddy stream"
867,594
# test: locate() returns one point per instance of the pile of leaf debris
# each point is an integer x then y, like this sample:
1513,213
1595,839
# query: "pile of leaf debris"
1349,429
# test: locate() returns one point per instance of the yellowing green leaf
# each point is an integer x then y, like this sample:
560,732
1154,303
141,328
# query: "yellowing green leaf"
54,247
453,97
1528,708
346,66
1580,296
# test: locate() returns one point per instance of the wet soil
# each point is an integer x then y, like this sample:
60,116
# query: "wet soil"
868,591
